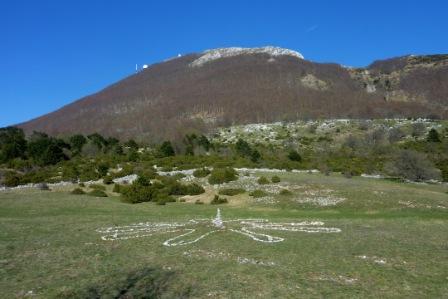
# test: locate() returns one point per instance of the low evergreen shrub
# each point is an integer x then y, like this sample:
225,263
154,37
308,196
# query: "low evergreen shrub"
275,179
77,191
201,173
258,193
218,200
222,175
97,187
285,192
116,188
231,191
263,180
107,180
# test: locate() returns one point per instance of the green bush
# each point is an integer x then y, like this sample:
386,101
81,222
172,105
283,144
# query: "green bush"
222,175
178,176
166,149
136,193
262,180
142,181
102,169
433,136
275,179
231,191
285,192
201,173
97,193
194,189
12,179
107,180
293,155
97,187
116,188
258,193
162,199
174,187
198,202
77,191
218,200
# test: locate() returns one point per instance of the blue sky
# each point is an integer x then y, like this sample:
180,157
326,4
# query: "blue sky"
54,52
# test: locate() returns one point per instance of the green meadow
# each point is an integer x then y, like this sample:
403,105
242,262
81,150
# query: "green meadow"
392,243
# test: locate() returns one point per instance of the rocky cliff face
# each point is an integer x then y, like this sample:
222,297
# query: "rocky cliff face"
236,86
407,79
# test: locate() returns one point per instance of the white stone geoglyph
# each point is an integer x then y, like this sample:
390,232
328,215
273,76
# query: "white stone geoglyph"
195,230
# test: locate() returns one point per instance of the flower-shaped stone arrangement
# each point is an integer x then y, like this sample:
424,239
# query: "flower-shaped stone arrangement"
195,230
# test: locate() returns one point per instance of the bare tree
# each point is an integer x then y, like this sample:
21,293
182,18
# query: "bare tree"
413,166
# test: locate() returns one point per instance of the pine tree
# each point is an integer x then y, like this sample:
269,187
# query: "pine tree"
433,136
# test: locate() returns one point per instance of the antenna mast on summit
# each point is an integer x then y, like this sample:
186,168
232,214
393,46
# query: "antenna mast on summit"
136,68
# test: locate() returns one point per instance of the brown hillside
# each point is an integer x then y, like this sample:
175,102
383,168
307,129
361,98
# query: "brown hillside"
170,98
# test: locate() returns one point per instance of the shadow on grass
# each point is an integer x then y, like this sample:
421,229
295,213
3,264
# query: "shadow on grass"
141,283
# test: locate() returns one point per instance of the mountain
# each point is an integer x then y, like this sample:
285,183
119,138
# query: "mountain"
248,85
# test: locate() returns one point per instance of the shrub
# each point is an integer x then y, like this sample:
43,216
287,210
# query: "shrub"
142,181
352,171
136,193
347,174
107,180
194,189
201,173
77,191
198,202
162,199
97,193
293,155
413,166
46,150
173,187
12,179
178,176
243,148
166,149
218,200
285,192
116,188
149,173
443,166
222,175
77,142
433,136
275,179
81,184
258,193
324,169
262,180
102,169
231,191
97,187
395,134
418,129
12,144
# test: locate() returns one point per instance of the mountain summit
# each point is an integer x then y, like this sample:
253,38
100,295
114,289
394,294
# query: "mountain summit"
228,86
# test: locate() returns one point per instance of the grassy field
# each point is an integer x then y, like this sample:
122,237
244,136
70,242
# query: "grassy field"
393,244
